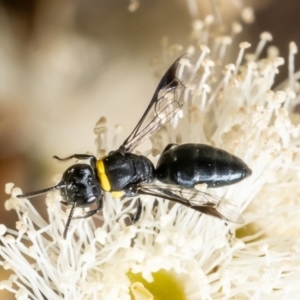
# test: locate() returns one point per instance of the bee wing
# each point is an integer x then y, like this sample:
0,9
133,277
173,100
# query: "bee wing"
197,200
165,103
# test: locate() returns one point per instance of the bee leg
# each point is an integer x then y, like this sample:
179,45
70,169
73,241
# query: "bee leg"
168,147
131,191
79,157
64,203
135,218
76,156
88,214
92,212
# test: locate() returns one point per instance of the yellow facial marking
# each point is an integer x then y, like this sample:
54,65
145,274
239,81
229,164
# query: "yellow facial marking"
102,176
117,194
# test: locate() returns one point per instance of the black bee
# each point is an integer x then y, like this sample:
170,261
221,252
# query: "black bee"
179,169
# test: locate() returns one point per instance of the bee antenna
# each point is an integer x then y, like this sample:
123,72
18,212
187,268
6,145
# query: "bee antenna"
69,219
34,194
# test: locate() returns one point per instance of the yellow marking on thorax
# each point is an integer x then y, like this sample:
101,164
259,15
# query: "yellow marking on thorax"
104,182
118,194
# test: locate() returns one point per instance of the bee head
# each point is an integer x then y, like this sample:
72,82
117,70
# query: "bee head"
80,185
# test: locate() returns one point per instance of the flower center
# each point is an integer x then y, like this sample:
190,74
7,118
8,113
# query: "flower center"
165,285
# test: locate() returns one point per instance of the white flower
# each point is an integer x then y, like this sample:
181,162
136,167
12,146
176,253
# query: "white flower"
192,256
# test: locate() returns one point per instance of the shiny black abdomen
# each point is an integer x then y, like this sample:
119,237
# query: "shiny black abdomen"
123,169
190,164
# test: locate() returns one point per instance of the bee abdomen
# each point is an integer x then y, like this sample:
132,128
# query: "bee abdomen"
190,164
